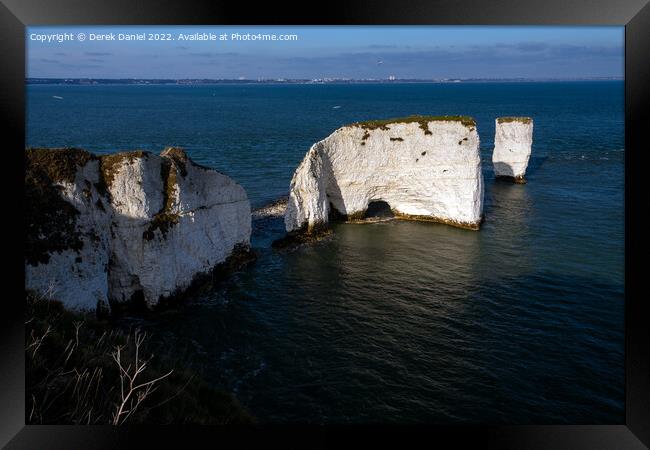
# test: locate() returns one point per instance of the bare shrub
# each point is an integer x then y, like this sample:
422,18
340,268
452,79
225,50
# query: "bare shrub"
132,393
81,370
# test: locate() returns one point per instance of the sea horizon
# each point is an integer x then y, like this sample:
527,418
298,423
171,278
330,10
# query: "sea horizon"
208,81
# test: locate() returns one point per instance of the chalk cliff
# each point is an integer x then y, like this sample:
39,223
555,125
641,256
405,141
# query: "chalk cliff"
513,141
424,167
131,226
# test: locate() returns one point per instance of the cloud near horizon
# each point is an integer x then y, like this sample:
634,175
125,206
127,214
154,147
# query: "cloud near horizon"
524,57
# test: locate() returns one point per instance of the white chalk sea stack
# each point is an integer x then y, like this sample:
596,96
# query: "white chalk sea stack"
424,167
513,142
127,227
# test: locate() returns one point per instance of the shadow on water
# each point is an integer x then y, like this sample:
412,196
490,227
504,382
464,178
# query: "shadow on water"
380,334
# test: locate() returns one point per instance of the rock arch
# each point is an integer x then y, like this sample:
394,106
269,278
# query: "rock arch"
426,168
378,208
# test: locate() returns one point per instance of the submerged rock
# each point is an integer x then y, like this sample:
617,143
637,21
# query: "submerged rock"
127,227
513,141
425,168
274,209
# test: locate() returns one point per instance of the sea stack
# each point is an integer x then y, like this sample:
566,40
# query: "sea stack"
513,140
425,167
127,227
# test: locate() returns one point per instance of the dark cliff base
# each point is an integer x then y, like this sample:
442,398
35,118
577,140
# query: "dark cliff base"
72,376
306,235
302,236
474,226
240,257
516,180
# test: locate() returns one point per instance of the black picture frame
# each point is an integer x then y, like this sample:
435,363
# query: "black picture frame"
633,14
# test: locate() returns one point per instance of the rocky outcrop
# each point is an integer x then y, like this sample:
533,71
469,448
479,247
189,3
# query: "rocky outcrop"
424,167
127,227
513,141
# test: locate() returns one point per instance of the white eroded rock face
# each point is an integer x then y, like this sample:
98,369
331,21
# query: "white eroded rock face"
184,225
165,220
424,168
76,276
513,141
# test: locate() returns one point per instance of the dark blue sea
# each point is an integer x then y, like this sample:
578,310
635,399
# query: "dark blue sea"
405,322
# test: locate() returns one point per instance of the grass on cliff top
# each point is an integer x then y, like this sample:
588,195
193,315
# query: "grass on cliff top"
50,220
61,164
110,164
75,375
514,119
423,121
58,164
178,156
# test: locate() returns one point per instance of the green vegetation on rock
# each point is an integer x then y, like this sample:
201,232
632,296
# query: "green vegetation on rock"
179,158
422,121
110,164
58,164
514,119
165,218
50,220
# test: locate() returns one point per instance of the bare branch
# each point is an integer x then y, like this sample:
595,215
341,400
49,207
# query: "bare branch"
134,394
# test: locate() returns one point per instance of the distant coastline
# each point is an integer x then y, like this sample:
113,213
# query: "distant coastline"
169,81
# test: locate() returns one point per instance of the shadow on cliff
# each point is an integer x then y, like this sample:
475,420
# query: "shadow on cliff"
534,164
333,192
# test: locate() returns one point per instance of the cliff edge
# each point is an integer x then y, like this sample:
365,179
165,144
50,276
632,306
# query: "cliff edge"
127,227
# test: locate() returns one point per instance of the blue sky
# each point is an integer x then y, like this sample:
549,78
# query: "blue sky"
348,52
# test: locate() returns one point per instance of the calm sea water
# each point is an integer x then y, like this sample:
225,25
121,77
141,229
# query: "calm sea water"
521,322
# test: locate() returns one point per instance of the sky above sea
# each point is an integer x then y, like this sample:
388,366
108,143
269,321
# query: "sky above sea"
316,52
